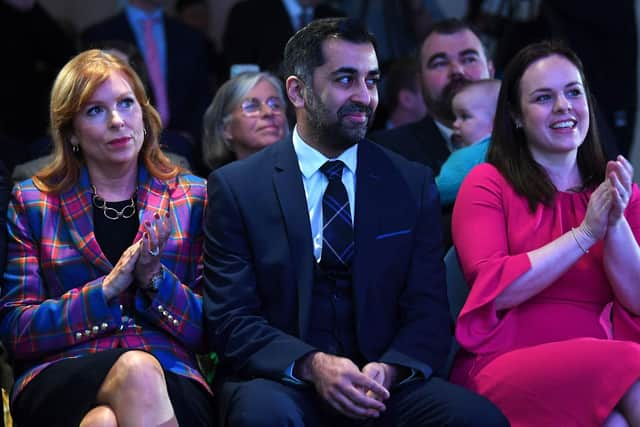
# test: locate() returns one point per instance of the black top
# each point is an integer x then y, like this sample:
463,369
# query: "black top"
114,236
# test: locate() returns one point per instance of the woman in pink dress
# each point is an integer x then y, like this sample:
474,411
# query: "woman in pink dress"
547,234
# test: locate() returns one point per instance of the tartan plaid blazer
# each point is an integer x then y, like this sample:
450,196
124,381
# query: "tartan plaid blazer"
52,305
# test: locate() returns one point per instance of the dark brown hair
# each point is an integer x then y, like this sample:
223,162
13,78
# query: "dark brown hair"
509,151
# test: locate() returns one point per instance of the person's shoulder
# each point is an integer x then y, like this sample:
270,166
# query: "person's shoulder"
485,171
252,172
106,24
27,193
182,30
487,177
393,134
196,184
191,179
399,162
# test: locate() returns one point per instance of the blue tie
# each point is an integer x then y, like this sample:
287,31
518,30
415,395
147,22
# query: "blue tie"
337,228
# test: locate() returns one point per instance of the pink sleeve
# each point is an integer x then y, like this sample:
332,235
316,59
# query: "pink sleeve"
480,236
626,326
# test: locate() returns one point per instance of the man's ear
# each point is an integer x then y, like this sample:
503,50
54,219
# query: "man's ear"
295,88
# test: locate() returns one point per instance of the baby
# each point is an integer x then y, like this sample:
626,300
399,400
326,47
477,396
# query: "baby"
474,107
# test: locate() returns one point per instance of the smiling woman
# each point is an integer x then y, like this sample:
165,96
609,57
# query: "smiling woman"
547,235
100,301
247,114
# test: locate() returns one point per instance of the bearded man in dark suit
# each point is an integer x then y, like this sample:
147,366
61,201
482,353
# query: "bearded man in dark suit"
324,282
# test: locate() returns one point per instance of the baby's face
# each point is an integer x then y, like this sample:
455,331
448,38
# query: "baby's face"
474,118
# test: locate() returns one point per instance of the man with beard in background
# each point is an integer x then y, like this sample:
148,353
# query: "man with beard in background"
324,283
451,55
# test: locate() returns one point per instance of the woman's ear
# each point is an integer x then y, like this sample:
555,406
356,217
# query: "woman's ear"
226,131
517,121
74,140
295,91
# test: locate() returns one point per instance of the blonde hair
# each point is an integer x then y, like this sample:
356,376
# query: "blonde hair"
73,87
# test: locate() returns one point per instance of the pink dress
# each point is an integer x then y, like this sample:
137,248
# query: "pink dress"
566,356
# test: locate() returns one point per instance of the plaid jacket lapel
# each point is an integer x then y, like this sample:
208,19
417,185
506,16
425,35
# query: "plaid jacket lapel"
77,212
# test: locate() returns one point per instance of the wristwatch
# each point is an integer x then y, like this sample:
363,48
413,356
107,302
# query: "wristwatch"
155,281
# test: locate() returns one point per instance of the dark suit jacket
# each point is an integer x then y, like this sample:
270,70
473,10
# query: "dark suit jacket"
257,31
259,264
187,68
420,142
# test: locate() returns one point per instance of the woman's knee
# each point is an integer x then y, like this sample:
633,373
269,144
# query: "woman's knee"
100,416
136,371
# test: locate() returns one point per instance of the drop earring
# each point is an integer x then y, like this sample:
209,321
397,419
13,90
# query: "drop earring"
75,148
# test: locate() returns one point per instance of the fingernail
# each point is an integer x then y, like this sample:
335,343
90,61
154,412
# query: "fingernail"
156,215
167,214
145,236
148,223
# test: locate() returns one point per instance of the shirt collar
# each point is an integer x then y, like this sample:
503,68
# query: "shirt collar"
446,133
310,159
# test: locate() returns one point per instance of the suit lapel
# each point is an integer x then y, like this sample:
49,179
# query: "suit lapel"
153,196
77,209
370,196
289,190
77,212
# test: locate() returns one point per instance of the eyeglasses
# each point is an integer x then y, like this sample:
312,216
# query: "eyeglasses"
252,107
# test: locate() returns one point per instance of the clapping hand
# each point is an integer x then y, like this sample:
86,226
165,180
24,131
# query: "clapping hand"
156,234
121,276
619,175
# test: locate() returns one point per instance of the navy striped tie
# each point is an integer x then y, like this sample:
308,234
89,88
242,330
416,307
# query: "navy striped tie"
337,228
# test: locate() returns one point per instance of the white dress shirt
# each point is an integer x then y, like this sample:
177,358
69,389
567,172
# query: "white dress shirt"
315,182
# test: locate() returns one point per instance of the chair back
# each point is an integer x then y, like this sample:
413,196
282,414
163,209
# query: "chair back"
457,288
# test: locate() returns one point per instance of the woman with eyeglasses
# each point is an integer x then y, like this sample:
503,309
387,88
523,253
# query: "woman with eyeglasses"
101,307
247,114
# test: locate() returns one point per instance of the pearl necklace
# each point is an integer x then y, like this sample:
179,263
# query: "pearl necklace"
112,213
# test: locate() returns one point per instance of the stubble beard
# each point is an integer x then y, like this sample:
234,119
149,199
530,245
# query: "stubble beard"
336,135
440,106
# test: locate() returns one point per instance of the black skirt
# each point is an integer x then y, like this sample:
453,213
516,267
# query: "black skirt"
63,393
